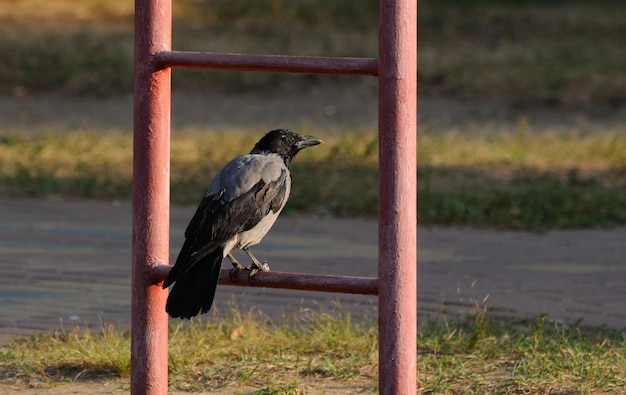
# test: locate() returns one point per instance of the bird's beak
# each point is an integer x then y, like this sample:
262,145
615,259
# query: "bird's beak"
309,141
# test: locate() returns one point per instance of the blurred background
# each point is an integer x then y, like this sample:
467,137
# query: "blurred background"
521,104
522,126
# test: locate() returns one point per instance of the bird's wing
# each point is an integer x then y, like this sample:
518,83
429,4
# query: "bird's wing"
243,193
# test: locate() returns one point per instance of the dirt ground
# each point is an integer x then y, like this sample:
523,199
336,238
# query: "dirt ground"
121,386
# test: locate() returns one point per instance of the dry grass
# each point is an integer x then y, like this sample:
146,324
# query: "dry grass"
193,152
554,149
506,178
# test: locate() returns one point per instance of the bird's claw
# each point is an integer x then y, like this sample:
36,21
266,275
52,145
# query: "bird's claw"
236,267
255,268
233,274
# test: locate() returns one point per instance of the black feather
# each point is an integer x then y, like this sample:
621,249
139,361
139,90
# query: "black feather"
196,239
193,293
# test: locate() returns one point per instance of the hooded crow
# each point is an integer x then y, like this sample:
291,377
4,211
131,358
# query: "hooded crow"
238,209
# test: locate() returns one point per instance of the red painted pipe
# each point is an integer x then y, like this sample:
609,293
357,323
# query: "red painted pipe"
275,63
397,71
397,239
304,282
151,165
299,281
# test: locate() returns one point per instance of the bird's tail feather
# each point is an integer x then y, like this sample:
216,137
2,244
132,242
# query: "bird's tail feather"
193,292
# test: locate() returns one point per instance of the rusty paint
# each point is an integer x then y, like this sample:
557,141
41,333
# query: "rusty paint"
151,158
397,267
275,63
298,281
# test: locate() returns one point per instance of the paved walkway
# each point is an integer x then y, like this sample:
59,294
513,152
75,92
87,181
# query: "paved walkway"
67,262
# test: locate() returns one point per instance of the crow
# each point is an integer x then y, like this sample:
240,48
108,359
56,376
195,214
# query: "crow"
239,208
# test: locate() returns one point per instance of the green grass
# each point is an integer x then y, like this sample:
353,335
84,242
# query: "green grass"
556,53
522,179
477,354
484,355
527,199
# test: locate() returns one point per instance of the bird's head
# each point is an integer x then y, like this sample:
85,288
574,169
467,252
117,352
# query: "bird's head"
284,143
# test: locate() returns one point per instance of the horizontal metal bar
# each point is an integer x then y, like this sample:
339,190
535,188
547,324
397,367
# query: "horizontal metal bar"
304,282
282,280
273,63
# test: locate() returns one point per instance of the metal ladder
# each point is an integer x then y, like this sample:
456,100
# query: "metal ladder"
396,285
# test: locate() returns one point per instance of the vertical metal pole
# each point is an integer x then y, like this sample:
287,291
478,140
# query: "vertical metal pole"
397,266
151,169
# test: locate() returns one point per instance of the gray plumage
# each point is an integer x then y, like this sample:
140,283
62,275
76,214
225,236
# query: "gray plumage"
239,208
